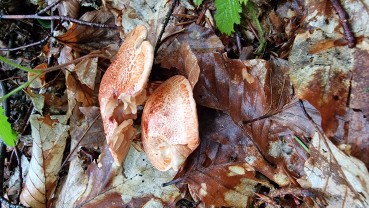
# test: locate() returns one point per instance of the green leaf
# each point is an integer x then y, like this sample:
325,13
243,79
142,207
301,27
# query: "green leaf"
197,2
228,14
7,134
243,2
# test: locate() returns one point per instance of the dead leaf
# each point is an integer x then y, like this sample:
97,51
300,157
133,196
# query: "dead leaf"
49,141
342,179
86,39
89,133
222,171
138,179
151,14
104,182
86,71
324,76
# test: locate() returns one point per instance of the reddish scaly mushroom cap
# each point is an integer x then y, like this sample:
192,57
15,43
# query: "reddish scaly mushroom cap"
169,124
122,89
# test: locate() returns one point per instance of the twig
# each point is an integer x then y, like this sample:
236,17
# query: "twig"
25,46
167,17
61,18
19,159
343,16
48,7
79,141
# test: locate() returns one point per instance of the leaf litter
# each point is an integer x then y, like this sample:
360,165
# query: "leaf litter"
253,128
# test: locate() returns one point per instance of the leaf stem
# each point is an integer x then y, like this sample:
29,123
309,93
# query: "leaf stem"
254,18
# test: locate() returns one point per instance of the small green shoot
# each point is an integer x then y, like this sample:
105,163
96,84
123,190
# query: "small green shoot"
37,72
254,18
7,134
302,144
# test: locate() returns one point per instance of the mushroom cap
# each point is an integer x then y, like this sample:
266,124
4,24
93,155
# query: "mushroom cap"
169,124
122,89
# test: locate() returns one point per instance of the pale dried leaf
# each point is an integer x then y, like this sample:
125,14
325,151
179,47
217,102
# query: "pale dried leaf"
138,180
49,138
322,64
342,179
86,71
89,133
151,14
74,185
69,8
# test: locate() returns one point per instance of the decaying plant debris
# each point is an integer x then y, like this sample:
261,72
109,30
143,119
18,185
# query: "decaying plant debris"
283,124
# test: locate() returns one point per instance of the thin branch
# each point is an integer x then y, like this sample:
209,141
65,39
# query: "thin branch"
343,16
20,178
79,141
167,17
48,7
61,18
25,46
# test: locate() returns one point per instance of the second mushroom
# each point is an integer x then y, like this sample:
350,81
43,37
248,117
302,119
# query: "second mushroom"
169,124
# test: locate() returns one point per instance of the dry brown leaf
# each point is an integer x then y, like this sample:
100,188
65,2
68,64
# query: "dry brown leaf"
79,92
86,39
342,179
222,171
257,95
322,67
49,138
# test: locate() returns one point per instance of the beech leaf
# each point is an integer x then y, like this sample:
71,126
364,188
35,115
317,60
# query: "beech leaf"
49,135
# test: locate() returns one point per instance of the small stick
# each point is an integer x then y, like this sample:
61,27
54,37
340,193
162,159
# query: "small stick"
184,23
201,16
48,7
20,178
25,46
61,18
343,16
79,141
167,17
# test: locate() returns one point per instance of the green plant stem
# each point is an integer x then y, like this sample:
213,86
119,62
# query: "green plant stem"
254,18
19,88
39,72
302,144
7,61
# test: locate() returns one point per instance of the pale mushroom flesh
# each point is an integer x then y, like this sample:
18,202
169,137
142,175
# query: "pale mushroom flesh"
122,89
169,124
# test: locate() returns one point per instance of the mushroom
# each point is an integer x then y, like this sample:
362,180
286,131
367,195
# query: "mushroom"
169,124
122,89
